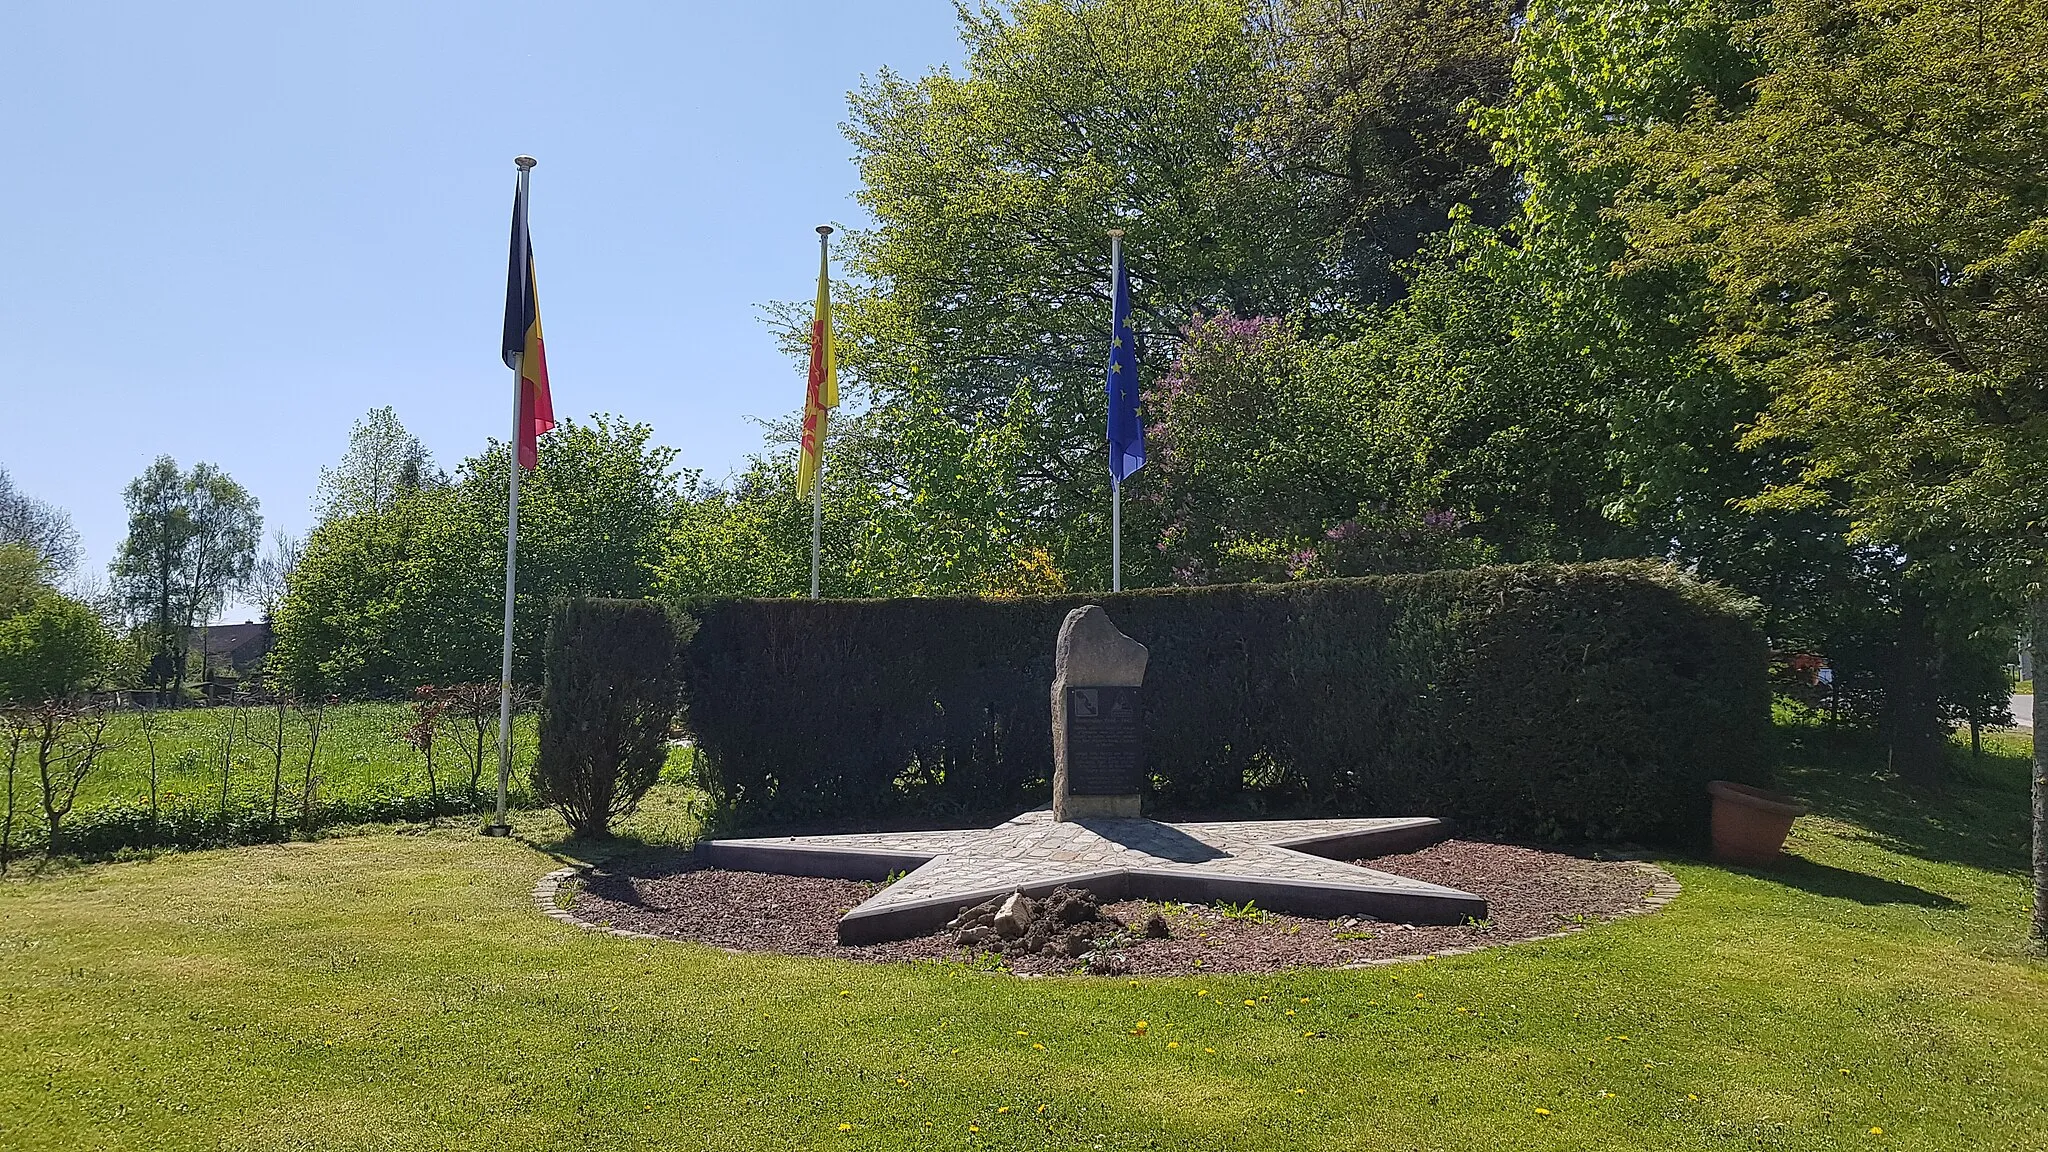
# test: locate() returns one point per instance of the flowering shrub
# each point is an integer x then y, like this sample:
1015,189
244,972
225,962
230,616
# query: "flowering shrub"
1276,458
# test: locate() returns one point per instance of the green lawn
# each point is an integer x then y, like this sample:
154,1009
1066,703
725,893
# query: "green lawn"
398,991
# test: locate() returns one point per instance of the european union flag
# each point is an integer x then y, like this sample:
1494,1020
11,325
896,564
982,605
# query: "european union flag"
1126,433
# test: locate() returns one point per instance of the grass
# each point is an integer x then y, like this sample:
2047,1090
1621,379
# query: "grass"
399,991
359,765
358,755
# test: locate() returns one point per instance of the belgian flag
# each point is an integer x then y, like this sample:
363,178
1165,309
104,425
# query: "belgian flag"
523,348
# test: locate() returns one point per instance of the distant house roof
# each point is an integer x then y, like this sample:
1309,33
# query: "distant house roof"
236,645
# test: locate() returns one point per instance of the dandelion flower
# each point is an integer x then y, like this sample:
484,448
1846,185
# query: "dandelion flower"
846,1127
846,992
1040,1047
1304,999
1210,1051
1202,992
1543,1111
1876,1131
694,1060
1251,1003
1004,1108
1290,1011
1301,1091
1022,1032
974,1127
1173,1043
901,1080
1042,1108
1690,1096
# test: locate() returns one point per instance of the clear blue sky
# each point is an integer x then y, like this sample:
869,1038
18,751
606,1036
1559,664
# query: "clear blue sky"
227,230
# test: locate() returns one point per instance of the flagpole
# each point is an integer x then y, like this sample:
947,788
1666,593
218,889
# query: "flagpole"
1116,490
818,475
499,826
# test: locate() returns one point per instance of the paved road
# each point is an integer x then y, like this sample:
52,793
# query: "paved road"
2023,711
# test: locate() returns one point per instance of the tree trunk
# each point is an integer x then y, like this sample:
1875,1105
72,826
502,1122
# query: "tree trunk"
1912,719
7,822
2040,789
277,763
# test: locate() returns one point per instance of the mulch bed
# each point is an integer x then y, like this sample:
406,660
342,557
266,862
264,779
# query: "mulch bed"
1529,892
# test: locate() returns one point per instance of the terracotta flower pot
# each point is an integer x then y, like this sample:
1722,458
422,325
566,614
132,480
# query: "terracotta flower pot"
1750,824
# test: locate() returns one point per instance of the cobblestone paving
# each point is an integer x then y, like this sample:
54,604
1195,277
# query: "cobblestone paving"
1033,849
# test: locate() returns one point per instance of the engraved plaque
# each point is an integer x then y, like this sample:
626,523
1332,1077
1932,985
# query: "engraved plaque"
1105,756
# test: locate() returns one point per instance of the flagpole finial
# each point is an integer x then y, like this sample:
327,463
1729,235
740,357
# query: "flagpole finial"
824,229
1116,233
524,162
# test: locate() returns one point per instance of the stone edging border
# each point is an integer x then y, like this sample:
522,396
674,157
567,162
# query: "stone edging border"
548,887
1664,888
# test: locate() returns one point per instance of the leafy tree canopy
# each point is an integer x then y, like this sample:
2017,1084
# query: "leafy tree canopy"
411,593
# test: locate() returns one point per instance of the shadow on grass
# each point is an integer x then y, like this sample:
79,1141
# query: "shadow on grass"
1842,884
1977,816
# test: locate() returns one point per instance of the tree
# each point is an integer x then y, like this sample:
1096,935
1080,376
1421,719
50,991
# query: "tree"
412,594
50,651
191,543
67,742
51,645
2038,929
985,276
383,460
271,577
1369,103
1872,226
38,525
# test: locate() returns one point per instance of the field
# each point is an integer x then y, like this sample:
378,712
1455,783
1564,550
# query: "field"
398,991
218,769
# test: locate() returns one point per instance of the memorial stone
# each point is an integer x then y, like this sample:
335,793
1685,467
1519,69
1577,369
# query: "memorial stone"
1097,742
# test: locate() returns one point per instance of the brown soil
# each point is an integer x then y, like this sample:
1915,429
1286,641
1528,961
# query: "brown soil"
1529,892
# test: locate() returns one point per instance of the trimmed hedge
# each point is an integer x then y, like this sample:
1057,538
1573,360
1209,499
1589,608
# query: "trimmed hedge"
1542,701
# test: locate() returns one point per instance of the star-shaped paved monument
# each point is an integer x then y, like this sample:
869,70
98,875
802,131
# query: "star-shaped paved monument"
1283,865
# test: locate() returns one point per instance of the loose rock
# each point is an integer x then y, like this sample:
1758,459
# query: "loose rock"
1013,919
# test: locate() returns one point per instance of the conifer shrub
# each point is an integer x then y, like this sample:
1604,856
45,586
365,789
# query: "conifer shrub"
1553,702
606,708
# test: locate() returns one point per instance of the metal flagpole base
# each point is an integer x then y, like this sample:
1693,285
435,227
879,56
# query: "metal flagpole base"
497,830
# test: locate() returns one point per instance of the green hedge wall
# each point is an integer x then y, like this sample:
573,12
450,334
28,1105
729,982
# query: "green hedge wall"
1544,701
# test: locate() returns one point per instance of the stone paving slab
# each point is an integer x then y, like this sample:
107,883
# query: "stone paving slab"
1275,862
